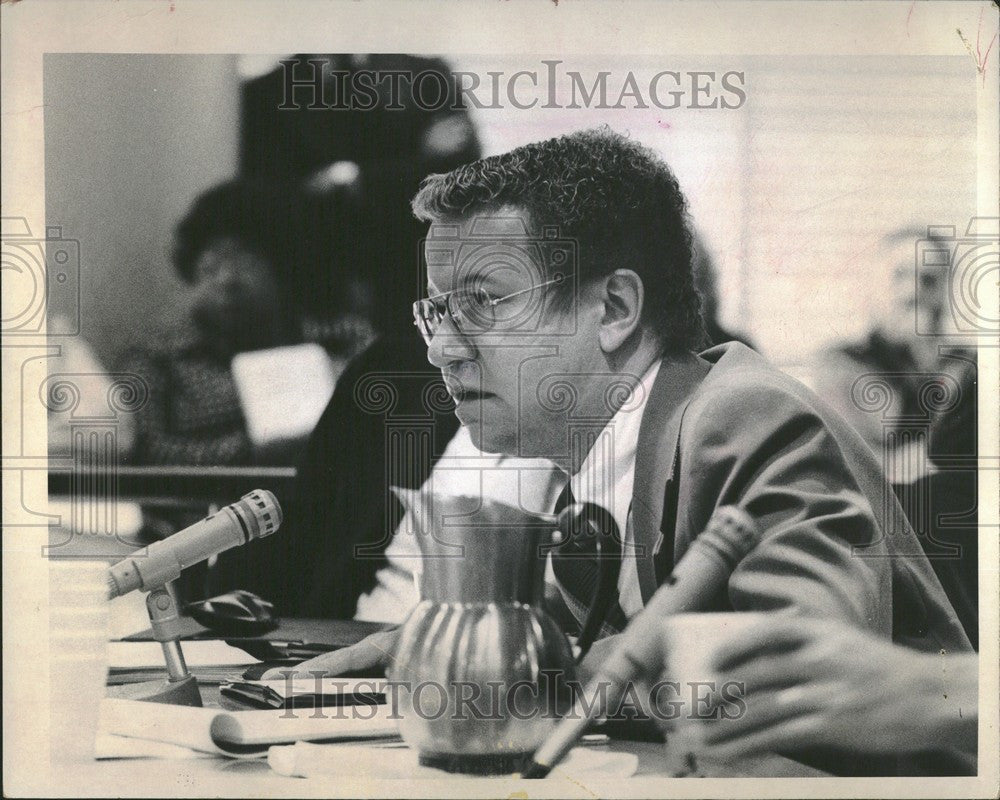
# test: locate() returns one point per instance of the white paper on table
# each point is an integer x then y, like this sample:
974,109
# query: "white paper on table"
240,734
306,760
198,653
108,746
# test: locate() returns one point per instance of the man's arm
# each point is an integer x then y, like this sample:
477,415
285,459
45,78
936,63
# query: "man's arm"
765,449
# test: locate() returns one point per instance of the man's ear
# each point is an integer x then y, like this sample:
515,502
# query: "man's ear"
623,298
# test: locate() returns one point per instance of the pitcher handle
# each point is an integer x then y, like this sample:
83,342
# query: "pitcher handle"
589,529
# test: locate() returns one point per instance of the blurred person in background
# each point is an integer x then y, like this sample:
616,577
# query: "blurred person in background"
706,282
358,170
903,346
378,155
926,433
238,248
375,160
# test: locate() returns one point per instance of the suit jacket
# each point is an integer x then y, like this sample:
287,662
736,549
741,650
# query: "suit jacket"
726,427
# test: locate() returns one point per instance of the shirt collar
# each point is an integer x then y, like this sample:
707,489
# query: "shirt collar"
613,452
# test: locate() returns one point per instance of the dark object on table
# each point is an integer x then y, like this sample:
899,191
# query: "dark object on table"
257,671
237,613
262,696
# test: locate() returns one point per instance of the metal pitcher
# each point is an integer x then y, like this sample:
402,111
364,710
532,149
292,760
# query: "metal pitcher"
482,670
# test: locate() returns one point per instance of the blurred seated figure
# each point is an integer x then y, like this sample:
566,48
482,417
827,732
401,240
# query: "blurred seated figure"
375,157
706,282
923,376
360,169
910,388
820,683
284,134
237,247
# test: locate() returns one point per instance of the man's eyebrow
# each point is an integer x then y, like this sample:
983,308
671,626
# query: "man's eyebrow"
494,278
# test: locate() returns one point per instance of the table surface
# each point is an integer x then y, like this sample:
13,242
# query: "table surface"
243,778
222,777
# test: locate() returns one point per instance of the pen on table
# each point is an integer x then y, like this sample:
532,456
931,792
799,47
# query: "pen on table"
701,572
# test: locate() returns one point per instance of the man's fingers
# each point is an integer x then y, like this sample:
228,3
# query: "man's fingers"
776,635
371,654
769,672
760,712
787,735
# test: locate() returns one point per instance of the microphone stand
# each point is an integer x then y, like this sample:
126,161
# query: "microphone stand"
254,516
180,687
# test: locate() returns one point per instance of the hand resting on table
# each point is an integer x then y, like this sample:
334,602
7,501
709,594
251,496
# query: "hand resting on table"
367,658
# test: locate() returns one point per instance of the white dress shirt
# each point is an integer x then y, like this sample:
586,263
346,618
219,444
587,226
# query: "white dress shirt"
606,478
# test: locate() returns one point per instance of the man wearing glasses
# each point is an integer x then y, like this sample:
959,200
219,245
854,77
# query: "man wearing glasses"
562,313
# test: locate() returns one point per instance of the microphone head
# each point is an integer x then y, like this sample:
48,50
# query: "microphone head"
260,512
731,533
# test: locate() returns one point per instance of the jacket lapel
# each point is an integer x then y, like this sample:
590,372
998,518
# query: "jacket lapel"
655,459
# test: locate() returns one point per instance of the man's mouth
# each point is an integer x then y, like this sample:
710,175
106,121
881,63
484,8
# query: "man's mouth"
470,395
465,394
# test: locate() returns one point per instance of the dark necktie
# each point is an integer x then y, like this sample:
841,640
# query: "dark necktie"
577,568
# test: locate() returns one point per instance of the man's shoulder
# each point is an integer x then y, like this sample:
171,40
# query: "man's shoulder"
742,382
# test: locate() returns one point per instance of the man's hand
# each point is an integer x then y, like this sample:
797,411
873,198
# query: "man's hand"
599,651
819,682
371,655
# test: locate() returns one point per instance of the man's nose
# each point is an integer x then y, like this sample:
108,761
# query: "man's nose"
449,344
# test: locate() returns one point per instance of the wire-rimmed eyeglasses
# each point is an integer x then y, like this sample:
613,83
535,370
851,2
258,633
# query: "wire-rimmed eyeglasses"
470,310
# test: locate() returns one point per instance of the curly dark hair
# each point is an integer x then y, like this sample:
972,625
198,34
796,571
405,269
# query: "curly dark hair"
616,198
265,218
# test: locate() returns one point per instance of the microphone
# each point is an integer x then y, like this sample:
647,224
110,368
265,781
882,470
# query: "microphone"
702,571
254,516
